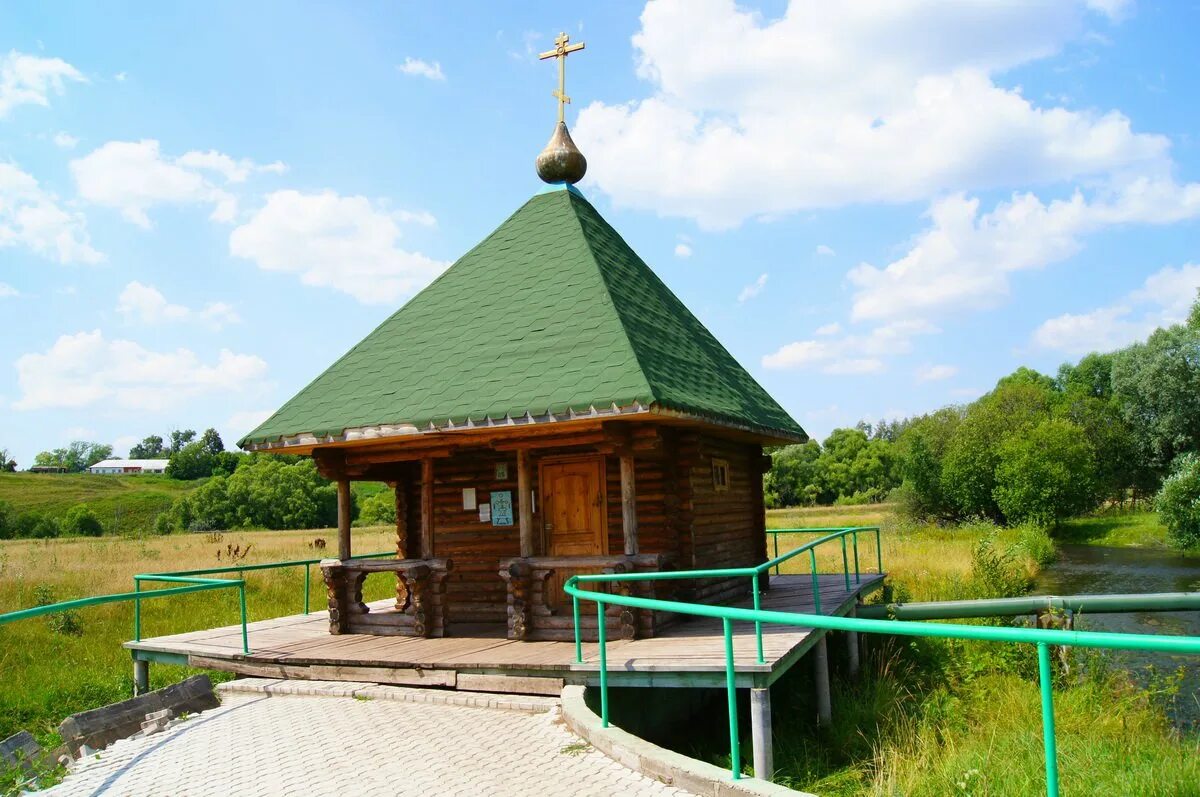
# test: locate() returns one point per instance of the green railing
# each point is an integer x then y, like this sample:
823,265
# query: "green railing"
1041,638
193,576
191,581
754,573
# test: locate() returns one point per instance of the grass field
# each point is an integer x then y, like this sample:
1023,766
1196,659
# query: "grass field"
124,504
930,718
48,675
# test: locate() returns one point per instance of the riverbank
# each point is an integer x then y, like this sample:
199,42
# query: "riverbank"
931,717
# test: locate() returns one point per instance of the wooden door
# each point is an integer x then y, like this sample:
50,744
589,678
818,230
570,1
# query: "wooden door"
573,516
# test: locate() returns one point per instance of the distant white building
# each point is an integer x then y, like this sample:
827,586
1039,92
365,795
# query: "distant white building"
129,466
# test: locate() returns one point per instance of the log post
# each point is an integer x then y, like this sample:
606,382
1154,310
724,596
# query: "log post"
760,729
525,502
852,648
629,505
401,519
821,679
343,500
141,677
427,508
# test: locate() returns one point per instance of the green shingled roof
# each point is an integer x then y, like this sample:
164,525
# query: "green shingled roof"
550,313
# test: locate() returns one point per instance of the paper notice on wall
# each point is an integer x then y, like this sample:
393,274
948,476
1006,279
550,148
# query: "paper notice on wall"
485,513
468,499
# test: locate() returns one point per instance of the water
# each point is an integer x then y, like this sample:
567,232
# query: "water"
1093,569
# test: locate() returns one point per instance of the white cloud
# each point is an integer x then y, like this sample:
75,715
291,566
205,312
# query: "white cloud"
145,304
683,250
1164,299
753,289
825,251
935,373
851,354
871,101
30,79
85,370
8,290
342,242
418,68
134,176
65,140
123,443
32,217
828,329
243,422
121,77
963,260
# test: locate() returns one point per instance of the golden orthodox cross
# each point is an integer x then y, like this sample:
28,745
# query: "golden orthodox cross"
561,51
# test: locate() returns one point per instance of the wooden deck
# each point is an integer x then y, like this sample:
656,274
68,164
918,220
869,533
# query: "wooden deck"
688,653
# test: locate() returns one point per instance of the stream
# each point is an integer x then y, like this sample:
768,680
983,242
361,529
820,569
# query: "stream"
1093,569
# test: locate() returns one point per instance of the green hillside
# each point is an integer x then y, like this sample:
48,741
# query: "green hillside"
124,504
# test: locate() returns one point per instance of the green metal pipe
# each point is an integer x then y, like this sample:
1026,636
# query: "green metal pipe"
242,602
261,566
735,745
578,633
1012,607
137,611
878,550
857,572
757,626
1086,639
845,564
1048,738
601,634
816,581
96,600
307,588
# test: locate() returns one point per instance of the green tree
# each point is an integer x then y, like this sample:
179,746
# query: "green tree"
180,438
76,457
1045,473
150,448
378,510
81,522
263,493
968,479
1178,502
1157,387
792,470
7,463
920,449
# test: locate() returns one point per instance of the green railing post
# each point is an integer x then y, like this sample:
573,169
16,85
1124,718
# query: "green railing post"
757,625
857,574
601,633
137,611
307,577
578,636
816,581
1044,676
775,538
879,550
845,564
735,745
242,601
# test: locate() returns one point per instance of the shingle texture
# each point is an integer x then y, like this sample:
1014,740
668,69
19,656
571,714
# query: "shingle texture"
551,312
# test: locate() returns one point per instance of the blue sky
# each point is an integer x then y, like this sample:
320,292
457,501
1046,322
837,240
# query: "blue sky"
879,208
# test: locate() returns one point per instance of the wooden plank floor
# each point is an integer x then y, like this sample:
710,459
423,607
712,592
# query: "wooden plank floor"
693,645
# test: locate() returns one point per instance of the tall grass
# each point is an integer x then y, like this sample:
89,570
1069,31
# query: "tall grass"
47,675
947,717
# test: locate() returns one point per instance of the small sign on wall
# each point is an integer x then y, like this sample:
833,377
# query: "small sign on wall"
501,471
468,499
485,513
502,508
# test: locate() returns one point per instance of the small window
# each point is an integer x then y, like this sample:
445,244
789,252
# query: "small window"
720,470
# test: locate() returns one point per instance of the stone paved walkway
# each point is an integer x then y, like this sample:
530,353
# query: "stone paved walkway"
302,745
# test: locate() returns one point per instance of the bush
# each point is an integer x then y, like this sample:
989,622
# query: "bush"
378,510
34,525
263,493
1178,502
1045,474
7,519
80,522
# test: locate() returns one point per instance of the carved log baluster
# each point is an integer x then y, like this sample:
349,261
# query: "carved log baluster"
332,577
418,588
518,575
